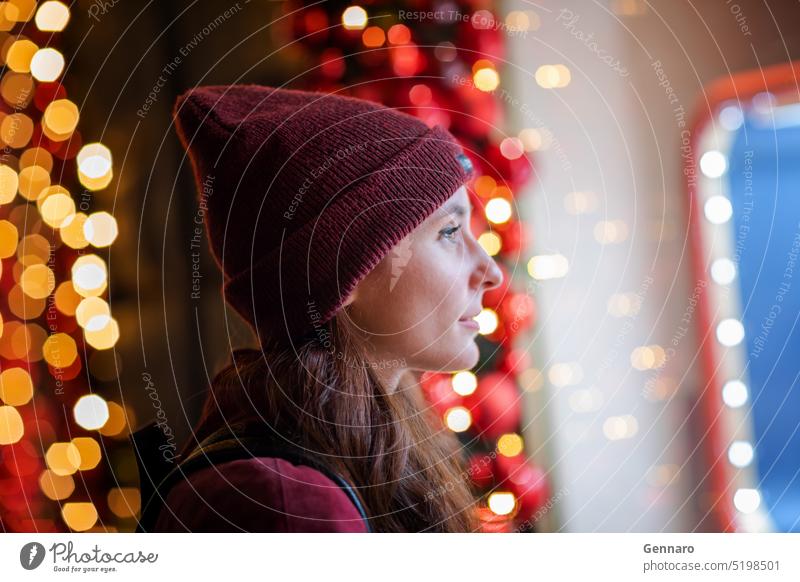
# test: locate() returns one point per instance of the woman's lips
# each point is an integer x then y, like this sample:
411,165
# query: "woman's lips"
471,323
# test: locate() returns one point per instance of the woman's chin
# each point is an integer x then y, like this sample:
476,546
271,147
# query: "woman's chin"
465,359
451,362
453,352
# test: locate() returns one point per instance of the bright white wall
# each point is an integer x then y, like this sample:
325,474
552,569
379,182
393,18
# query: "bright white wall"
616,131
614,134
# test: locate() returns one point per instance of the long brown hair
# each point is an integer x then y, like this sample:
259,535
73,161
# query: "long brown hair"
406,467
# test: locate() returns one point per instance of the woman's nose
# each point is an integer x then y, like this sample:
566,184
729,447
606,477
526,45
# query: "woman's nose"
488,272
493,275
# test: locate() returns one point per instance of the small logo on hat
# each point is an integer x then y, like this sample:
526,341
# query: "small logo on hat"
465,162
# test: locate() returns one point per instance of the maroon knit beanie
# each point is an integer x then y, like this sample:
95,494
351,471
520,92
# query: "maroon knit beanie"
306,192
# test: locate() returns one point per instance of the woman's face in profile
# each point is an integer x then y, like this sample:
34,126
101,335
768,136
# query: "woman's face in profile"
416,306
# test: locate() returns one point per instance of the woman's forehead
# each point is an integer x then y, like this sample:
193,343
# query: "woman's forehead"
457,204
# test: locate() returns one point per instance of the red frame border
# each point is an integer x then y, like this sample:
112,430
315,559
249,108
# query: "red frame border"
776,79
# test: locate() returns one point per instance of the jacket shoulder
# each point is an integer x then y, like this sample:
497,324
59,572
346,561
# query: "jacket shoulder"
260,494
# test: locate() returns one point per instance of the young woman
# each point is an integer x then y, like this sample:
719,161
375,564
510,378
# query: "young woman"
342,228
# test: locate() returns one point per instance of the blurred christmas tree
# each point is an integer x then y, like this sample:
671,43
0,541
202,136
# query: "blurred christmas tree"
440,62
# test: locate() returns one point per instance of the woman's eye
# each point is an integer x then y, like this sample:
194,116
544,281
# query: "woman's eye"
450,233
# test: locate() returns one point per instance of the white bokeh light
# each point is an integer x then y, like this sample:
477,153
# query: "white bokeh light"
731,117
91,412
740,453
543,267
713,164
747,500
730,332
718,209
723,271
734,393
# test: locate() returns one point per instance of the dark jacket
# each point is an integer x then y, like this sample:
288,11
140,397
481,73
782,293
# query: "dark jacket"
260,494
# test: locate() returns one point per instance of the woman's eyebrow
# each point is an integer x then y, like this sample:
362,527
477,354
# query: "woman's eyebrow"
456,208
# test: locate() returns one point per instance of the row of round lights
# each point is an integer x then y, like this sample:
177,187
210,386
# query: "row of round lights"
729,332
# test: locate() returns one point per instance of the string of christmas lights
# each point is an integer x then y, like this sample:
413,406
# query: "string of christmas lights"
57,330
